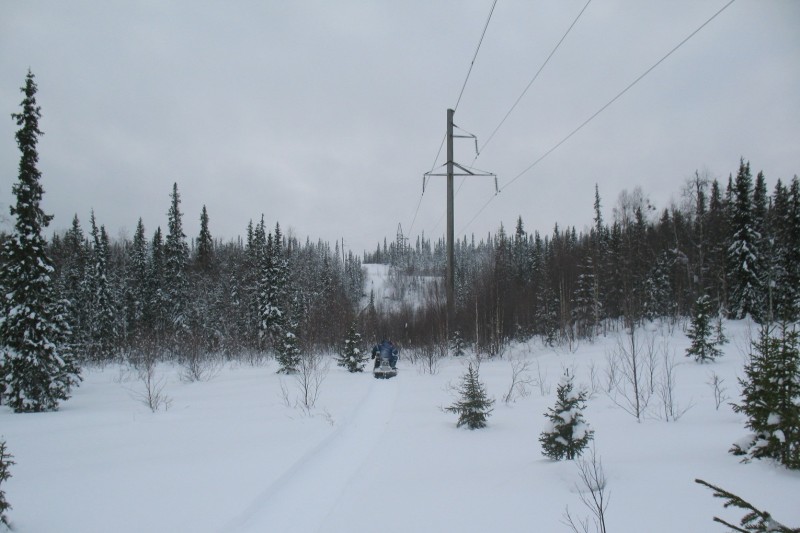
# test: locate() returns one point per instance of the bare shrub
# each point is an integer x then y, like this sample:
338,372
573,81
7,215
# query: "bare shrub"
671,410
540,380
594,379
634,362
720,391
429,355
593,494
144,360
520,380
312,371
152,395
196,365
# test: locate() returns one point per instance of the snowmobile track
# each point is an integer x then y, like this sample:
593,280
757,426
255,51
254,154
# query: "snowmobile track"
306,493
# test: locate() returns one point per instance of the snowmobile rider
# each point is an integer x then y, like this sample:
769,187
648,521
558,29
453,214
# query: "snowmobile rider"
387,350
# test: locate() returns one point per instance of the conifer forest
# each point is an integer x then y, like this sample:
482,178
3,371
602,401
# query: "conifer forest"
168,295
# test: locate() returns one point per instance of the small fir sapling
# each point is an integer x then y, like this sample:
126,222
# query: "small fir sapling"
353,357
702,333
474,407
458,345
566,434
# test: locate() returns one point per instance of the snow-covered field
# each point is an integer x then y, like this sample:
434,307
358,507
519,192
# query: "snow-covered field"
229,455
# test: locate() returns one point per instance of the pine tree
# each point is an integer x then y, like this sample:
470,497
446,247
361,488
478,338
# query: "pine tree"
743,253
72,286
785,233
584,313
37,368
458,345
353,357
270,295
102,323
659,300
701,332
136,282
474,407
5,463
287,349
566,434
205,244
157,294
176,258
771,398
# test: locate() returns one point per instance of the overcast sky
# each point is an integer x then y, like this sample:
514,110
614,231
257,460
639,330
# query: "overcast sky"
325,115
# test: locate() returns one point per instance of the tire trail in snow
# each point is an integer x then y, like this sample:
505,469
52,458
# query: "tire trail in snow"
301,498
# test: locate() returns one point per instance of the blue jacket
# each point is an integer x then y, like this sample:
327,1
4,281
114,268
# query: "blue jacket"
386,349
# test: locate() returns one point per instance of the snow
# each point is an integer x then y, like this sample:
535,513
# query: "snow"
379,455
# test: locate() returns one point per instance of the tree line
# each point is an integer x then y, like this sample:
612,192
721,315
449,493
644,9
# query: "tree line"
164,295
734,244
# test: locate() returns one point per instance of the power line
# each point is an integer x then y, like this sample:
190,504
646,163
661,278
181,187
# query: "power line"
606,106
474,57
535,76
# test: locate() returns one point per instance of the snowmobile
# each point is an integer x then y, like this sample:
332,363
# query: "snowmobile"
383,369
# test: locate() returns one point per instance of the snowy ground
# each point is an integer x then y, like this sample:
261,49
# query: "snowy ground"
378,455
391,291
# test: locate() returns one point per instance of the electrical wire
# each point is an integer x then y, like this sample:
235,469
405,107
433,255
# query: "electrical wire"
419,203
592,117
535,76
474,57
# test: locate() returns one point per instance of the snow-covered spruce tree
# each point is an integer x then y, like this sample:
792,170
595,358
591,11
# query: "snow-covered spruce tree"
102,325
204,260
353,357
702,332
5,463
771,398
287,349
743,253
158,306
458,345
72,286
176,260
566,434
659,300
271,298
136,283
474,407
37,368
